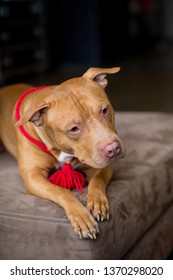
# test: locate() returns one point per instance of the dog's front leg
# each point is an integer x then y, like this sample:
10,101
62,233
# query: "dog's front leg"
97,201
80,218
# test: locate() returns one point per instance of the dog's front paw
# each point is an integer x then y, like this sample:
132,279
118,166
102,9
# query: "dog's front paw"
97,204
83,223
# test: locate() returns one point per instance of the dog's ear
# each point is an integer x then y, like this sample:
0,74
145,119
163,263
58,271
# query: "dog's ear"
34,114
99,74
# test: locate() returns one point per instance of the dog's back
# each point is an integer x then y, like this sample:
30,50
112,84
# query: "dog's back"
8,97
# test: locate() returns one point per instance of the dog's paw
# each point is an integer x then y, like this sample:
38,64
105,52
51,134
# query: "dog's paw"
83,223
97,204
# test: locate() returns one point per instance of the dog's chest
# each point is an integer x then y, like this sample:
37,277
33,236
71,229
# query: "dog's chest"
67,158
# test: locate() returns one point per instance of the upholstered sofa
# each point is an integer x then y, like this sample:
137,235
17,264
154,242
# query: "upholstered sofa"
140,196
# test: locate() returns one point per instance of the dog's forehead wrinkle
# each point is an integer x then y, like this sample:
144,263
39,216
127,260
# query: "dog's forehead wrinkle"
80,105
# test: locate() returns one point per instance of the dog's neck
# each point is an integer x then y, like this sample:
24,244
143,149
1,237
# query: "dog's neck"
65,157
61,157
42,139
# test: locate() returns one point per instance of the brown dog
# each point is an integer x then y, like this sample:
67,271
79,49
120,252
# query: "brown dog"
75,118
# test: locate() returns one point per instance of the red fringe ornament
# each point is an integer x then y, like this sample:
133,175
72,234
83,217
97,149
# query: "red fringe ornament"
68,178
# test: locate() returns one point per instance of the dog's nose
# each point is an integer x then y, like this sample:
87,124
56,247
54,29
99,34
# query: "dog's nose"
112,150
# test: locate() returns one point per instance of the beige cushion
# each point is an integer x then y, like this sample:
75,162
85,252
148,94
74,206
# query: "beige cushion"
140,192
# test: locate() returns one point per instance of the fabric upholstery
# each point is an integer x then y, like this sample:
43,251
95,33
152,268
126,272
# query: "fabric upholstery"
140,196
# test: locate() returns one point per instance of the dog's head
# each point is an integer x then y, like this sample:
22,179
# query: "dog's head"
78,119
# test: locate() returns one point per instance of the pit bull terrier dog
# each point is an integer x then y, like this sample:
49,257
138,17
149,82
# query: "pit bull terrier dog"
73,119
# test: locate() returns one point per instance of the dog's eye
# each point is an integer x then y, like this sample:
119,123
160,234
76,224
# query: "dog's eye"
74,129
105,110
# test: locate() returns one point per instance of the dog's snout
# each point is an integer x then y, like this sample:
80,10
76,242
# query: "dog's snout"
112,150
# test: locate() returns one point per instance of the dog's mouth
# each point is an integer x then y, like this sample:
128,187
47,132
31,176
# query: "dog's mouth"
101,162
106,156
100,157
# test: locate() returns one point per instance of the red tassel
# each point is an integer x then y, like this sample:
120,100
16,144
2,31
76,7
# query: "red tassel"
68,178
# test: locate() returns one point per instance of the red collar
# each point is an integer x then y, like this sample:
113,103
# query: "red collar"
66,177
21,128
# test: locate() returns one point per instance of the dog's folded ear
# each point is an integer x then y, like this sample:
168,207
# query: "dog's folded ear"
99,74
34,114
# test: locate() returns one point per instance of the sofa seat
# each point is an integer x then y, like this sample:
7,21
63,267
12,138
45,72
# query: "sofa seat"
140,196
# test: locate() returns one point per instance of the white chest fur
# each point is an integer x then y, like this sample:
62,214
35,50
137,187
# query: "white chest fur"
67,158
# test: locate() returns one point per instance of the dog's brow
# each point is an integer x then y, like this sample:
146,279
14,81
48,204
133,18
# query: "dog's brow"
77,103
71,123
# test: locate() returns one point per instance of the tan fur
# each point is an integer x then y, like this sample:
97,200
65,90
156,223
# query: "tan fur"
49,115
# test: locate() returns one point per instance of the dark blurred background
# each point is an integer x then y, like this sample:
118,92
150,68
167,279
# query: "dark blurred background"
45,42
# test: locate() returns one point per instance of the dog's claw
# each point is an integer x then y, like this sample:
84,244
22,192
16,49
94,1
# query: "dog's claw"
97,229
90,209
80,234
90,235
94,235
98,217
